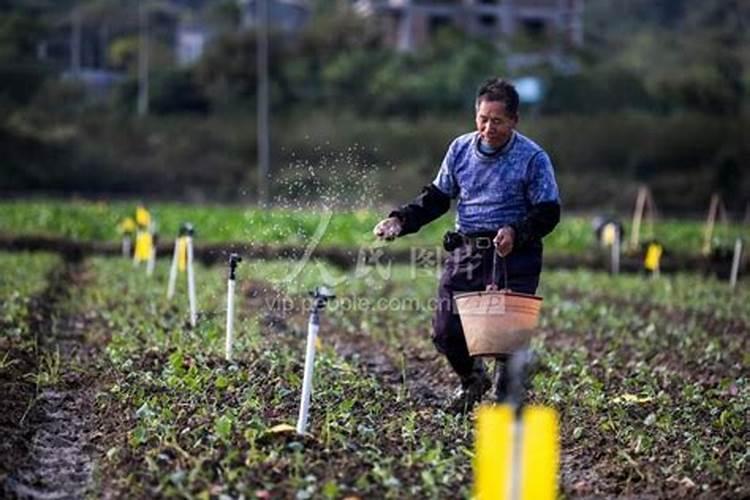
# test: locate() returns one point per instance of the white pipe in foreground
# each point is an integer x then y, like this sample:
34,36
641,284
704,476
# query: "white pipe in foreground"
191,282
735,263
304,408
320,296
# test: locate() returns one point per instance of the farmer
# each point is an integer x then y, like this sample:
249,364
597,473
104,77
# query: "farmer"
507,202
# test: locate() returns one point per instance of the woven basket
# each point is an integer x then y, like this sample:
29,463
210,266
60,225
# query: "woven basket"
497,321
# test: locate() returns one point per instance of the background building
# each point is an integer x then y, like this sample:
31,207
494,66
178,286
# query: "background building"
411,23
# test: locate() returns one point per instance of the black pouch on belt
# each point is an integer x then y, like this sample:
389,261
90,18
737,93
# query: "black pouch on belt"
453,240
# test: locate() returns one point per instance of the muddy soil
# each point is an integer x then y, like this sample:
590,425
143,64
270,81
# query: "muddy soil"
590,468
405,366
424,375
49,445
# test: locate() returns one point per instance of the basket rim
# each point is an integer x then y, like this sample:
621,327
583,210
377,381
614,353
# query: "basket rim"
497,292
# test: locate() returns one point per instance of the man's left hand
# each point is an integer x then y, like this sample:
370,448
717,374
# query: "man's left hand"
504,240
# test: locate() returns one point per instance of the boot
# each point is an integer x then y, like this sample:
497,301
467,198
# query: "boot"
471,390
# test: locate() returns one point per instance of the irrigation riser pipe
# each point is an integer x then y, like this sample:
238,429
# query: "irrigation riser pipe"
615,256
127,246
320,297
151,263
173,270
304,408
234,259
736,257
191,283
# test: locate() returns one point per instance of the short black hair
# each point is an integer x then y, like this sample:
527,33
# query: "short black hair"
498,89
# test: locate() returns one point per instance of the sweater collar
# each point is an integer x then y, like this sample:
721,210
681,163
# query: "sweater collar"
501,151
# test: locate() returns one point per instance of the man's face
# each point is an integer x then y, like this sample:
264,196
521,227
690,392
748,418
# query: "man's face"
494,124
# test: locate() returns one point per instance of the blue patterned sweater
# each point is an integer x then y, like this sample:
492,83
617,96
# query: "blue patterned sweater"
498,189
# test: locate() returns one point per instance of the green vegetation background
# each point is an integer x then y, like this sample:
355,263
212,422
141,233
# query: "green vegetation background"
98,221
659,97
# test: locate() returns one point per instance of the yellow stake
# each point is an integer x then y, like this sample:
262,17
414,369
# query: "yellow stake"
127,225
541,454
495,464
182,254
493,452
609,233
142,217
653,257
143,246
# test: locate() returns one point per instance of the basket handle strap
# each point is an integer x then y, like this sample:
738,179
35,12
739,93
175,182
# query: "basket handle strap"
493,282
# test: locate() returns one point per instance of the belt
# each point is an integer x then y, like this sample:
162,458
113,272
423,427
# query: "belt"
480,241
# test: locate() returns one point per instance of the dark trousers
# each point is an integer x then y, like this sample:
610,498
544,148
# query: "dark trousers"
468,269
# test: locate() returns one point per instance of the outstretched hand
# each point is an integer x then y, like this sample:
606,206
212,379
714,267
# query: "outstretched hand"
388,229
504,240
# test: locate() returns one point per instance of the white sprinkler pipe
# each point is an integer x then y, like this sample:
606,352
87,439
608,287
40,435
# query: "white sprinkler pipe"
173,270
151,261
616,253
735,263
312,333
234,259
230,320
126,246
320,297
191,282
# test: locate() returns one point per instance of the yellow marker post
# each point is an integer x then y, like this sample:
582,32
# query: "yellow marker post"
142,216
127,225
516,459
143,246
144,239
492,462
182,254
652,261
540,453
609,234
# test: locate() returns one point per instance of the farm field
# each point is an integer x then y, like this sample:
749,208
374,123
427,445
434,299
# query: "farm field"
650,378
207,290
97,221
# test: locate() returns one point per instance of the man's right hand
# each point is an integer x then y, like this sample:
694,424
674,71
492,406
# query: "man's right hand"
388,229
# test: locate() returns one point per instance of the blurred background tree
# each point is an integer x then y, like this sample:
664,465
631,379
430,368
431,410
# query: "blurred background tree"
657,93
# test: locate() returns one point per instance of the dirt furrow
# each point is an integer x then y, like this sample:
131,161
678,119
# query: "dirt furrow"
57,463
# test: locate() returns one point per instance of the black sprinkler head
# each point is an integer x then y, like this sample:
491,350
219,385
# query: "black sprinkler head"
187,229
324,293
321,295
234,259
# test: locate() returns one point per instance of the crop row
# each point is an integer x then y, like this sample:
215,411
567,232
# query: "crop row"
81,220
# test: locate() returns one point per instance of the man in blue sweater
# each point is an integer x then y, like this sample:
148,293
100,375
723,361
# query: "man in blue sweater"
507,202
